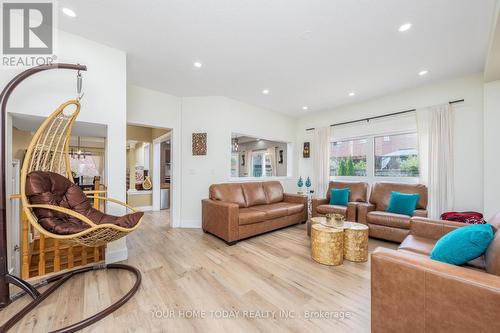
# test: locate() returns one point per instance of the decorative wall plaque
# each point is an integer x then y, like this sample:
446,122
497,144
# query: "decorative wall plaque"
306,153
199,143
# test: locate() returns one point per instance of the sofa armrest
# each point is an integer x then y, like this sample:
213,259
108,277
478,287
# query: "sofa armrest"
317,202
352,210
420,213
363,209
295,198
220,218
412,293
433,229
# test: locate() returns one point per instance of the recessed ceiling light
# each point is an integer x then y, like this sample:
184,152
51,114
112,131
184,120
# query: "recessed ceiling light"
197,64
69,12
423,72
265,91
352,94
405,27
305,108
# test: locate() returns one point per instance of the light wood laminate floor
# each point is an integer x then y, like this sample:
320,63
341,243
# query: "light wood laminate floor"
194,282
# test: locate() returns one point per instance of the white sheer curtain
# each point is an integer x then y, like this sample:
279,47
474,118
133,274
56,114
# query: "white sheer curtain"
435,150
320,150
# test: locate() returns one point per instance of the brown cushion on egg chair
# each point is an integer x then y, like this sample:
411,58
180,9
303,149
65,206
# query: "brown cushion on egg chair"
49,188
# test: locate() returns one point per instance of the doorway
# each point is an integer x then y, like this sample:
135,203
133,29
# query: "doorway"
148,167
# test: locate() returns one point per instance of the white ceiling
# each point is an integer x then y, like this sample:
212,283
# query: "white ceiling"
306,52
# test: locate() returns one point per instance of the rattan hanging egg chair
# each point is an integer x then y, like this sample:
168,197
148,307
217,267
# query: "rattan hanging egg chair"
55,206
48,153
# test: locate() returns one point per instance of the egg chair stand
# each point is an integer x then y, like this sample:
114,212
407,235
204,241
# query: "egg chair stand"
93,235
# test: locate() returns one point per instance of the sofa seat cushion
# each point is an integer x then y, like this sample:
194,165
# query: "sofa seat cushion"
250,215
331,209
273,211
294,208
418,245
389,219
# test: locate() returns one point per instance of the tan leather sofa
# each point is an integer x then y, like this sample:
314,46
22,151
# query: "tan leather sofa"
321,207
412,293
390,226
236,211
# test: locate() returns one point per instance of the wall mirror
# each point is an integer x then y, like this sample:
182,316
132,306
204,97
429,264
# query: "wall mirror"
255,157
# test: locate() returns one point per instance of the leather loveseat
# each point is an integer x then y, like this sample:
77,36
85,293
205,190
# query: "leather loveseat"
412,293
236,211
385,225
358,194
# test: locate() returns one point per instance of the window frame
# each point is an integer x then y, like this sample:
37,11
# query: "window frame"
370,160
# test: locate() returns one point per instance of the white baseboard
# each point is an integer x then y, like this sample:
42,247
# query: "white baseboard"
144,208
116,255
190,224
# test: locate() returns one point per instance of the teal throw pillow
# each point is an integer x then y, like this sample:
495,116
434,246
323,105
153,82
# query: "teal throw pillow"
463,244
339,196
403,203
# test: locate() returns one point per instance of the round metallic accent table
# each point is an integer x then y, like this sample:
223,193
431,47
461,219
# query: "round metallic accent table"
356,242
327,245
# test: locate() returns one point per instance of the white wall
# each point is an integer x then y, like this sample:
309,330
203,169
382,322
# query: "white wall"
468,117
219,117
104,103
491,148
152,108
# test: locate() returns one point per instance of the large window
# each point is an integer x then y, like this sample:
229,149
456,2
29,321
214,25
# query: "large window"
396,155
348,158
389,156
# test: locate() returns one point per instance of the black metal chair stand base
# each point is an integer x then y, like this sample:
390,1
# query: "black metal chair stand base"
58,281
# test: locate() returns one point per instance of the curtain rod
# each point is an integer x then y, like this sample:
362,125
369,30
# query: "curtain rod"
381,116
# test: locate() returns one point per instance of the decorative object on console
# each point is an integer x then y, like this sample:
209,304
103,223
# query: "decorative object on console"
300,184
335,220
306,153
147,184
199,144
463,244
308,184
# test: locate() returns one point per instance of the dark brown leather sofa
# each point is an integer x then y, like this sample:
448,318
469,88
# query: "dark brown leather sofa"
390,226
236,211
321,207
412,293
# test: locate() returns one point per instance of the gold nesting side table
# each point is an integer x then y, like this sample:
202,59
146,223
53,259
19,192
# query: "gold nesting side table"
327,245
330,245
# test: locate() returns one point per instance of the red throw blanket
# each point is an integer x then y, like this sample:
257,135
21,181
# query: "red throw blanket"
464,217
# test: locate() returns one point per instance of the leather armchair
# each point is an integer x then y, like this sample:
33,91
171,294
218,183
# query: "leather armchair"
390,226
358,194
412,293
